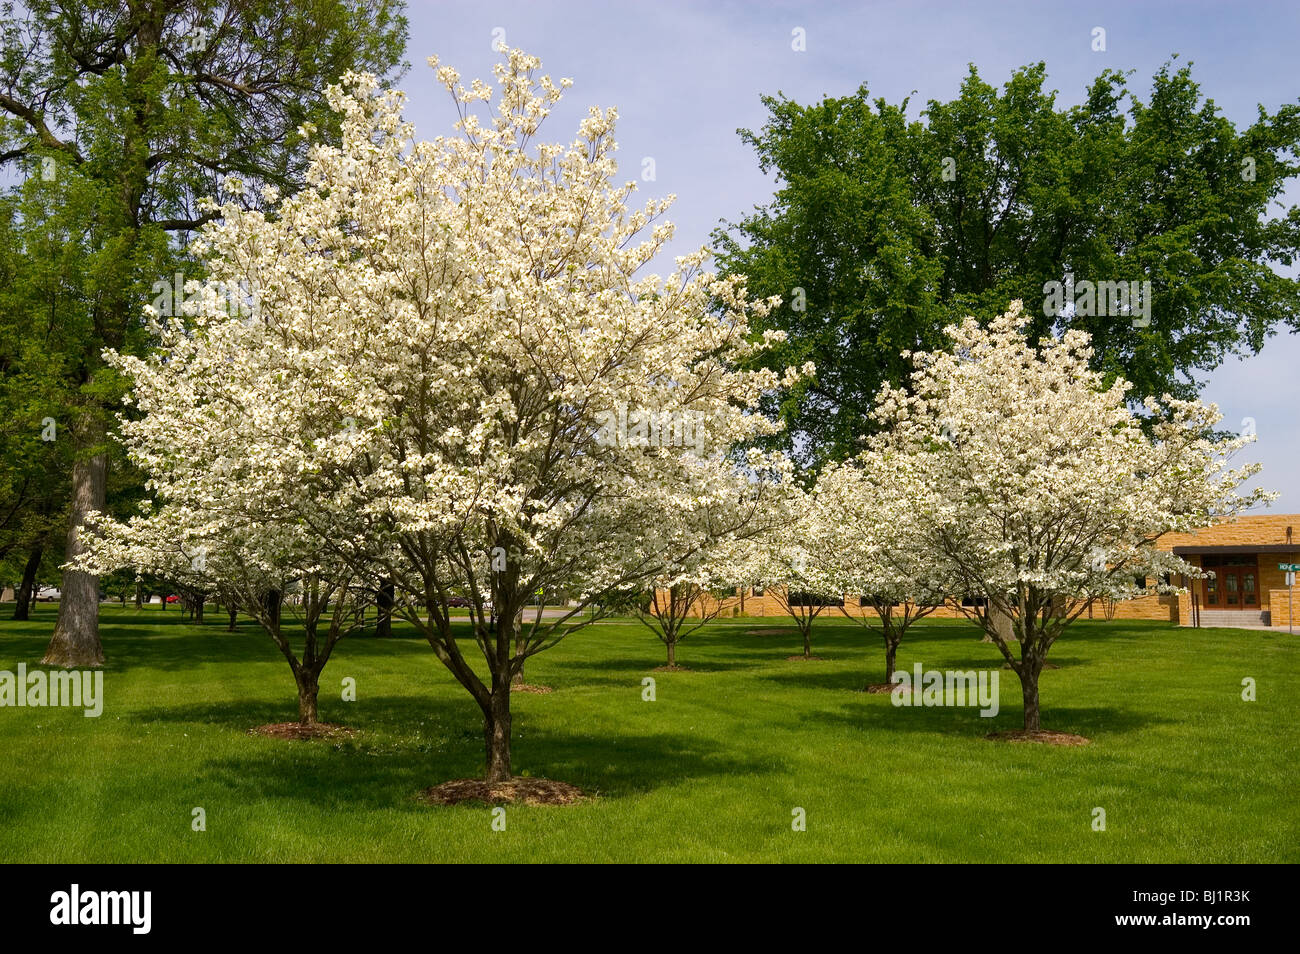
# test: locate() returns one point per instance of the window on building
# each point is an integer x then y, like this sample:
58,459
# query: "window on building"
871,601
812,599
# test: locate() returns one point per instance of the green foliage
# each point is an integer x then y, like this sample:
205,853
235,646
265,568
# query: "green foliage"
895,228
117,120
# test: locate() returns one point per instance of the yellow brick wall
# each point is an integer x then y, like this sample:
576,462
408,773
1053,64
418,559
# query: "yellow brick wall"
1250,530
1272,582
1271,579
1280,608
1154,606
769,605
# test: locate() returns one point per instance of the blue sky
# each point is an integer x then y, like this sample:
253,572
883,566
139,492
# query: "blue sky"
685,76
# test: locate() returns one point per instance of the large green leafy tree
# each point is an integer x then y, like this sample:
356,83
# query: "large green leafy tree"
45,232
51,262
153,104
893,228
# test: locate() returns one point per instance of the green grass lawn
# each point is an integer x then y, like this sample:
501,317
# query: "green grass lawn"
711,771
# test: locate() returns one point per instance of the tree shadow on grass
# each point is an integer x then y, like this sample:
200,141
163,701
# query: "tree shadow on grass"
811,677
990,661
641,666
873,671
184,649
870,713
384,716
406,744
174,651
619,765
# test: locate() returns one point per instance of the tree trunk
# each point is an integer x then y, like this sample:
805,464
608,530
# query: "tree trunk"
75,642
496,735
273,600
384,604
1002,623
198,609
807,642
672,652
234,614
520,643
308,690
23,595
891,654
139,596
1029,690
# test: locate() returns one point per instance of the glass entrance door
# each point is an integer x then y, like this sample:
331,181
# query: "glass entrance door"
1235,581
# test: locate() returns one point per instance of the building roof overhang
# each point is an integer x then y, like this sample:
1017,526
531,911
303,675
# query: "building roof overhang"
1255,548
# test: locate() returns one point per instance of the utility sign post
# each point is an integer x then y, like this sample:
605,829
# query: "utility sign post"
1290,570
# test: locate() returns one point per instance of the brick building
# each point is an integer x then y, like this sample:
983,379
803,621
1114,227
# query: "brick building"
1247,590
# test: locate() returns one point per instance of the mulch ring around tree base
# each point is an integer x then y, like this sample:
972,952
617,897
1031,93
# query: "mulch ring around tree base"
1041,736
1045,666
802,658
880,688
528,791
529,687
296,730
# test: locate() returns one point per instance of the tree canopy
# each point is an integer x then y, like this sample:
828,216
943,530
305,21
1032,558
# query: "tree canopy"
883,230
130,115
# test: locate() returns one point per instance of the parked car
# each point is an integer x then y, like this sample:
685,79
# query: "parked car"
173,598
458,602
48,594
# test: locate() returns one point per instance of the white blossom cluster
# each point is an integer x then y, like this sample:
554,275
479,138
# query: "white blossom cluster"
442,329
1011,472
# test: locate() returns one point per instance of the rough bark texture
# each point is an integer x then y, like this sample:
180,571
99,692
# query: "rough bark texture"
496,735
75,643
672,652
23,596
1003,623
891,654
1029,690
308,691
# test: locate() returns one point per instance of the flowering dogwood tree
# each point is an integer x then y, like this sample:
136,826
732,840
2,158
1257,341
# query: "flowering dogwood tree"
1034,484
239,418
674,609
784,562
231,548
704,548
862,538
461,316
